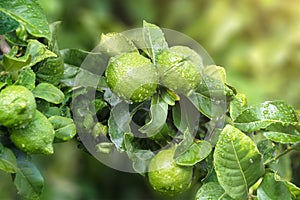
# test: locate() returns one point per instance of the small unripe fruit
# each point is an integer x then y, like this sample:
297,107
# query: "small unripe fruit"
17,106
179,69
132,77
166,177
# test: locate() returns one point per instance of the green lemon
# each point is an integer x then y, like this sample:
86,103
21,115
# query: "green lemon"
37,137
166,177
17,106
179,69
132,77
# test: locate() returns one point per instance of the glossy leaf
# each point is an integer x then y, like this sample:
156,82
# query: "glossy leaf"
194,154
185,116
116,43
282,138
26,78
49,93
263,115
28,180
159,113
64,127
270,189
82,68
212,191
216,72
94,62
267,149
35,52
237,161
168,97
7,24
140,157
294,190
214,88
207,106
187,139
51,69
118,124
237,105
154,39
8,162
30,14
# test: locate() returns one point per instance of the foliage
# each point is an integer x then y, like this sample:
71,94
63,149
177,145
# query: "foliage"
231,146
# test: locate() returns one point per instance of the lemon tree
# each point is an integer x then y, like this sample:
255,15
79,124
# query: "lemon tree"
169,113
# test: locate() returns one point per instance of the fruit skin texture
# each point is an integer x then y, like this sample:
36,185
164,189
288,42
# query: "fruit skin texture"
179,69
17,106
132,77
166,177
35,138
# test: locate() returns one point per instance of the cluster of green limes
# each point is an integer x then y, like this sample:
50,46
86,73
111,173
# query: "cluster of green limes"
135,78
29,129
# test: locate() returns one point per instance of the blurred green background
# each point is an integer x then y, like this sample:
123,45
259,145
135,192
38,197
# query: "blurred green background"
257,41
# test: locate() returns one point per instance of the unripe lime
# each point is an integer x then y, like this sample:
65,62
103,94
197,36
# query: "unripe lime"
132,77
179,69
166,177
17,106
37,137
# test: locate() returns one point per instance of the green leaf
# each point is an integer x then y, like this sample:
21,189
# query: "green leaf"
237,105
49,93
154,39
168,97
118,124
282,138
237,161
214,88
140,157
82,67
263,115
35,52
211,191
28,13
159,113
116,43
185,143
64,127
195,153
216,72
271,189
91,61
267,149
28,180
51,69
185,116
207,106
294,190
7,24
26,78
8,162
74,57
